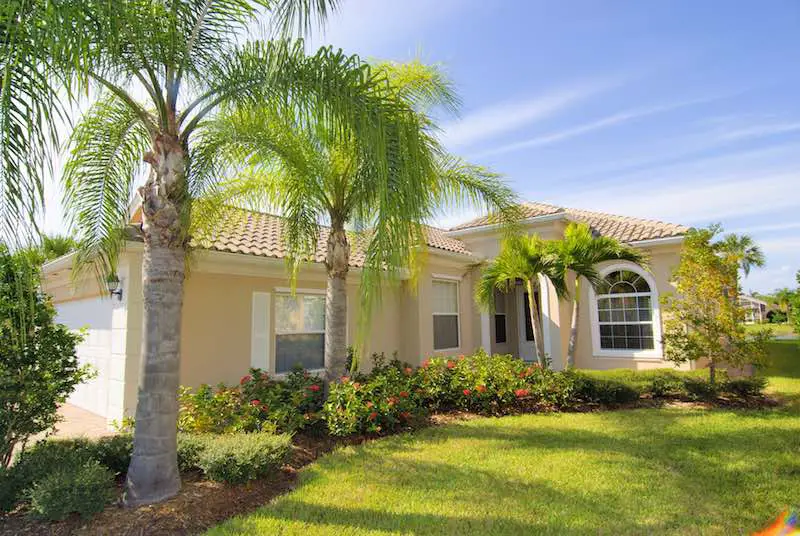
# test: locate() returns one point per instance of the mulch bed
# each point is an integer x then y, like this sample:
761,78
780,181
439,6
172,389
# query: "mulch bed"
202,504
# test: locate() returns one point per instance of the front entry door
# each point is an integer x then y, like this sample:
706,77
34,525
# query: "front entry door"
527,344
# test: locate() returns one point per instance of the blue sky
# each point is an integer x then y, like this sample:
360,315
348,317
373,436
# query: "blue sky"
678,110
683,111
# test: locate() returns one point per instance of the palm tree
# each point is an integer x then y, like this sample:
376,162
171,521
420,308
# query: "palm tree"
310,175
742,248
157,72
525,258
579,253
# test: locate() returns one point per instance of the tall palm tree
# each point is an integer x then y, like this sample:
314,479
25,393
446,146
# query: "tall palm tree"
310,175
524,258
157,71
578,253
742,248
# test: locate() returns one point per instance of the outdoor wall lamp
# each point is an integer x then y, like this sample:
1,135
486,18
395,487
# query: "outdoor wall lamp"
114,288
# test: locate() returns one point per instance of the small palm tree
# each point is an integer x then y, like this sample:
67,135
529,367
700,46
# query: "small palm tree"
579,253
742,248
522,258
311,176
156,73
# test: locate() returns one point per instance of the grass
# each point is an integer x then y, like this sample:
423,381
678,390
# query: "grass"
662,471
778,330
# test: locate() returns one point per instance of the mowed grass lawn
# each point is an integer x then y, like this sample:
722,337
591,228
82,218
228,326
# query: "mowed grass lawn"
665,471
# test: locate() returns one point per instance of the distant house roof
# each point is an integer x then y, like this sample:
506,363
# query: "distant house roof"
623,228
261,234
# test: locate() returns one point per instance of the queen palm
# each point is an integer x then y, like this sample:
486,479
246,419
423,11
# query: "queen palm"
156,72
578,253
311,176
525,258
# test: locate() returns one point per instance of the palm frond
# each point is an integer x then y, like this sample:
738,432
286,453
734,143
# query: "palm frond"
105,154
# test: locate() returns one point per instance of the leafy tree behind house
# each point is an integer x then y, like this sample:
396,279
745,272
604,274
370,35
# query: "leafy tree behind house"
38,364
50,247
703,317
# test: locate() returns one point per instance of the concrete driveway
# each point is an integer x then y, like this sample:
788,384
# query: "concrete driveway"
80,423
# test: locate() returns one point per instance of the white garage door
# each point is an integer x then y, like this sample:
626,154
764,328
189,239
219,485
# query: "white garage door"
95,314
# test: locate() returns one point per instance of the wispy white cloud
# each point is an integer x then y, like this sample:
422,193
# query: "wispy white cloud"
510,115
770,227
759,131
780,245
698,199
605,122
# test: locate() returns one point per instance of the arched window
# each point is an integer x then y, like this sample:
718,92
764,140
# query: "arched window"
626,322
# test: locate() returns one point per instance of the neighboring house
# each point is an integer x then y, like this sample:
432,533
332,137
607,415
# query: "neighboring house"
755,310
238,310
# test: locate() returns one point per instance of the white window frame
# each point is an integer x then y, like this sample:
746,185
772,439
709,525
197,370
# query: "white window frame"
457,283
280,292
657,353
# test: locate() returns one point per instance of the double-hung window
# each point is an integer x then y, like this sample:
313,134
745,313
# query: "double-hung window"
445,315
500,336
299,331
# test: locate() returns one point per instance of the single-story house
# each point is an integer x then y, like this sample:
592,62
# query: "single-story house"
239,312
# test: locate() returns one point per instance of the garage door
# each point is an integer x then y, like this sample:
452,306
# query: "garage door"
95,314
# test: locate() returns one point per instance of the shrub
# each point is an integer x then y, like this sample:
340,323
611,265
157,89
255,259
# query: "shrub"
238,458
113,452
189,448
258,404
38,364
85,489
602,391
381,402
745,386
699,389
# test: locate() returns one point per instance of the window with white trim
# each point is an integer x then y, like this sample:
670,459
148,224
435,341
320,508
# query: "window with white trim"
299,331
625,312
445,315
500,335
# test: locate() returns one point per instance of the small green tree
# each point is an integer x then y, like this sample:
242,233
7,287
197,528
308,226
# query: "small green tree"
794,306
38,365
704,320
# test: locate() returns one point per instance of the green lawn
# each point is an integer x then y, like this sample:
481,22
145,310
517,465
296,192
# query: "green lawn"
665,471
777,329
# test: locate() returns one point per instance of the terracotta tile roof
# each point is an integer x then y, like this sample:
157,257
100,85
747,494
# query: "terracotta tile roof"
260,234
623,228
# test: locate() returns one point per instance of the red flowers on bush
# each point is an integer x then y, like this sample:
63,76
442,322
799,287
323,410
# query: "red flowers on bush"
520,393
462,357
369,404
466,392
246,378
451,364
481,388
313,387
409,371
254,403
345,379
372,416
426,363
392,400
405,415
403,394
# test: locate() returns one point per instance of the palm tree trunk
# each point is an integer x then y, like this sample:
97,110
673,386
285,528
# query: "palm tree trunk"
337,263
153,473
573,328
536,323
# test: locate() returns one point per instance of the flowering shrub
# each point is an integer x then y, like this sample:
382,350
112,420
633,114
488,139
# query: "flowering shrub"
381,402
488,384
258,403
